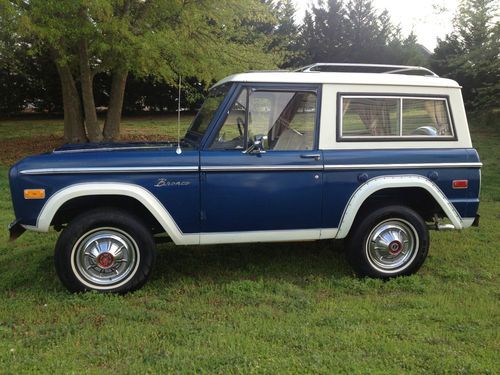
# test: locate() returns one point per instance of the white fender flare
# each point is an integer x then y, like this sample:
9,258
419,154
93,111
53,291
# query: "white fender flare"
144,196
388,182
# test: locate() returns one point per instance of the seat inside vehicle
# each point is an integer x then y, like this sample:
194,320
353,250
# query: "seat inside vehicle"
291,139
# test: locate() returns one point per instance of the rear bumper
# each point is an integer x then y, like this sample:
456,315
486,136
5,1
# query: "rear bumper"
475,223
15,230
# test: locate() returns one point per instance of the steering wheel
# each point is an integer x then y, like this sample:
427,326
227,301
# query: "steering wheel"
241,125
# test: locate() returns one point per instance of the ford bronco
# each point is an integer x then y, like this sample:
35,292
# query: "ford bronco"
373,154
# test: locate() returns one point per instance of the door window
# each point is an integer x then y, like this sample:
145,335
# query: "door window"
286,118
231,135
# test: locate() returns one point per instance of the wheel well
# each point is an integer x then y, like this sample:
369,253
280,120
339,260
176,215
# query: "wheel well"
74,207
418,199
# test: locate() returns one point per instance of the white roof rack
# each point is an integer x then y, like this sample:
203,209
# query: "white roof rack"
365,68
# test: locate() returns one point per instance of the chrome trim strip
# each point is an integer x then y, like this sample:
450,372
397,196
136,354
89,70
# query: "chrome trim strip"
243,168
402,166
193,168
98,149
246,168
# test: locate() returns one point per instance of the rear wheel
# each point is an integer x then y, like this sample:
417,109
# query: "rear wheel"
391,241
106,250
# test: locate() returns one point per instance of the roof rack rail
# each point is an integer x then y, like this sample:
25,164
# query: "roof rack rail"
365,68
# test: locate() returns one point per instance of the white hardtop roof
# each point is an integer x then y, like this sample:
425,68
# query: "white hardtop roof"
340,78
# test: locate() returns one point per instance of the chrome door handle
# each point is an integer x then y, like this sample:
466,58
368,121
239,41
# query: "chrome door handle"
311,156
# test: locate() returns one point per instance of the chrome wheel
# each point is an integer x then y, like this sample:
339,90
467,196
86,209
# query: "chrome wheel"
392,245
105,258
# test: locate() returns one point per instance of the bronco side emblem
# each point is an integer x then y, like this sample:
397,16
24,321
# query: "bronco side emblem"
162,182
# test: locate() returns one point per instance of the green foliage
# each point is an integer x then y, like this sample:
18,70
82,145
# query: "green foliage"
283,32
156,39
354,31
471,53
161,38
207,39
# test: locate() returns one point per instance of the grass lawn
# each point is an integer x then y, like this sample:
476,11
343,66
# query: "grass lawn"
277,308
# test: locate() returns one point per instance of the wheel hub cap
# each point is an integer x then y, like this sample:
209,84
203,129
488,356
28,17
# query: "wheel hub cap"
105,260
392,245
105,256
395,247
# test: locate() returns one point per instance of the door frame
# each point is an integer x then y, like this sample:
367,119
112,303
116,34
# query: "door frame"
256,86
298,234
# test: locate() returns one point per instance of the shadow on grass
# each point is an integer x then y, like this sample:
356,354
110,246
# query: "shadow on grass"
28,264
290,262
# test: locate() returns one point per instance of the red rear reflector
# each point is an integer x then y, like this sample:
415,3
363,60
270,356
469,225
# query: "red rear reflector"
460,184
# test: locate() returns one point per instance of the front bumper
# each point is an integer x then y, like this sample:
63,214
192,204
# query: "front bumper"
16,230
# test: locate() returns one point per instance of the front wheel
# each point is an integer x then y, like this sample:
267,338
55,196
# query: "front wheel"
391,241
106,250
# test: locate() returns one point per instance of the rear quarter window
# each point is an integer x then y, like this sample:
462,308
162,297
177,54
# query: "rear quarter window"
372,117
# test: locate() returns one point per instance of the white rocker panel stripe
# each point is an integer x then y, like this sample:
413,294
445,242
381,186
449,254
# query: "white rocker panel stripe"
289,235
260,236
385,182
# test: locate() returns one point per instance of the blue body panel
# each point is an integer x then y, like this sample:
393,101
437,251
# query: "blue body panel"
339,185
183,202
263,199
229,200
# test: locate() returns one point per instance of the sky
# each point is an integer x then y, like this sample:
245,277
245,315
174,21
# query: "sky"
417,15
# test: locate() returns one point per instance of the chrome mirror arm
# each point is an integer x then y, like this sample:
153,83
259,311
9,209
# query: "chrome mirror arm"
258,146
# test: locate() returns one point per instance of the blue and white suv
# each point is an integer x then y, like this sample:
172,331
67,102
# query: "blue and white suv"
373,154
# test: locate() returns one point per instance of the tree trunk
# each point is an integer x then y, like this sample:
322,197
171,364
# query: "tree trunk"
86,78
113,117
74,129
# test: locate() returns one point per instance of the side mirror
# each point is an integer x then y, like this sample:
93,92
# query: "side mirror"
258,145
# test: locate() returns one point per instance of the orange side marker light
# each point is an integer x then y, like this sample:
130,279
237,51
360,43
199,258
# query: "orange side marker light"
34,193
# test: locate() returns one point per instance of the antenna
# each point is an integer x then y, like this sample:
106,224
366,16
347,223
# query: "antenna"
178,151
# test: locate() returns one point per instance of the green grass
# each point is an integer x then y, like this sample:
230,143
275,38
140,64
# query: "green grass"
141,125
276,308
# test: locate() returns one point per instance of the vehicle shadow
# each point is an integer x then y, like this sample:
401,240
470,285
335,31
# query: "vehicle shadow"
223,263
215,264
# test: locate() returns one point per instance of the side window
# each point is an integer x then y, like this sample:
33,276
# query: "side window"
286,118
370,117
426,117
394,117
231,135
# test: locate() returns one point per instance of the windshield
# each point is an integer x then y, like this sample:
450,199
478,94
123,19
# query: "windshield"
200,123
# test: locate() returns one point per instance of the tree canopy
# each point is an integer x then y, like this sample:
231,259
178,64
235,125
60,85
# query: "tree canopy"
157,38
470,54
76,55
354,31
